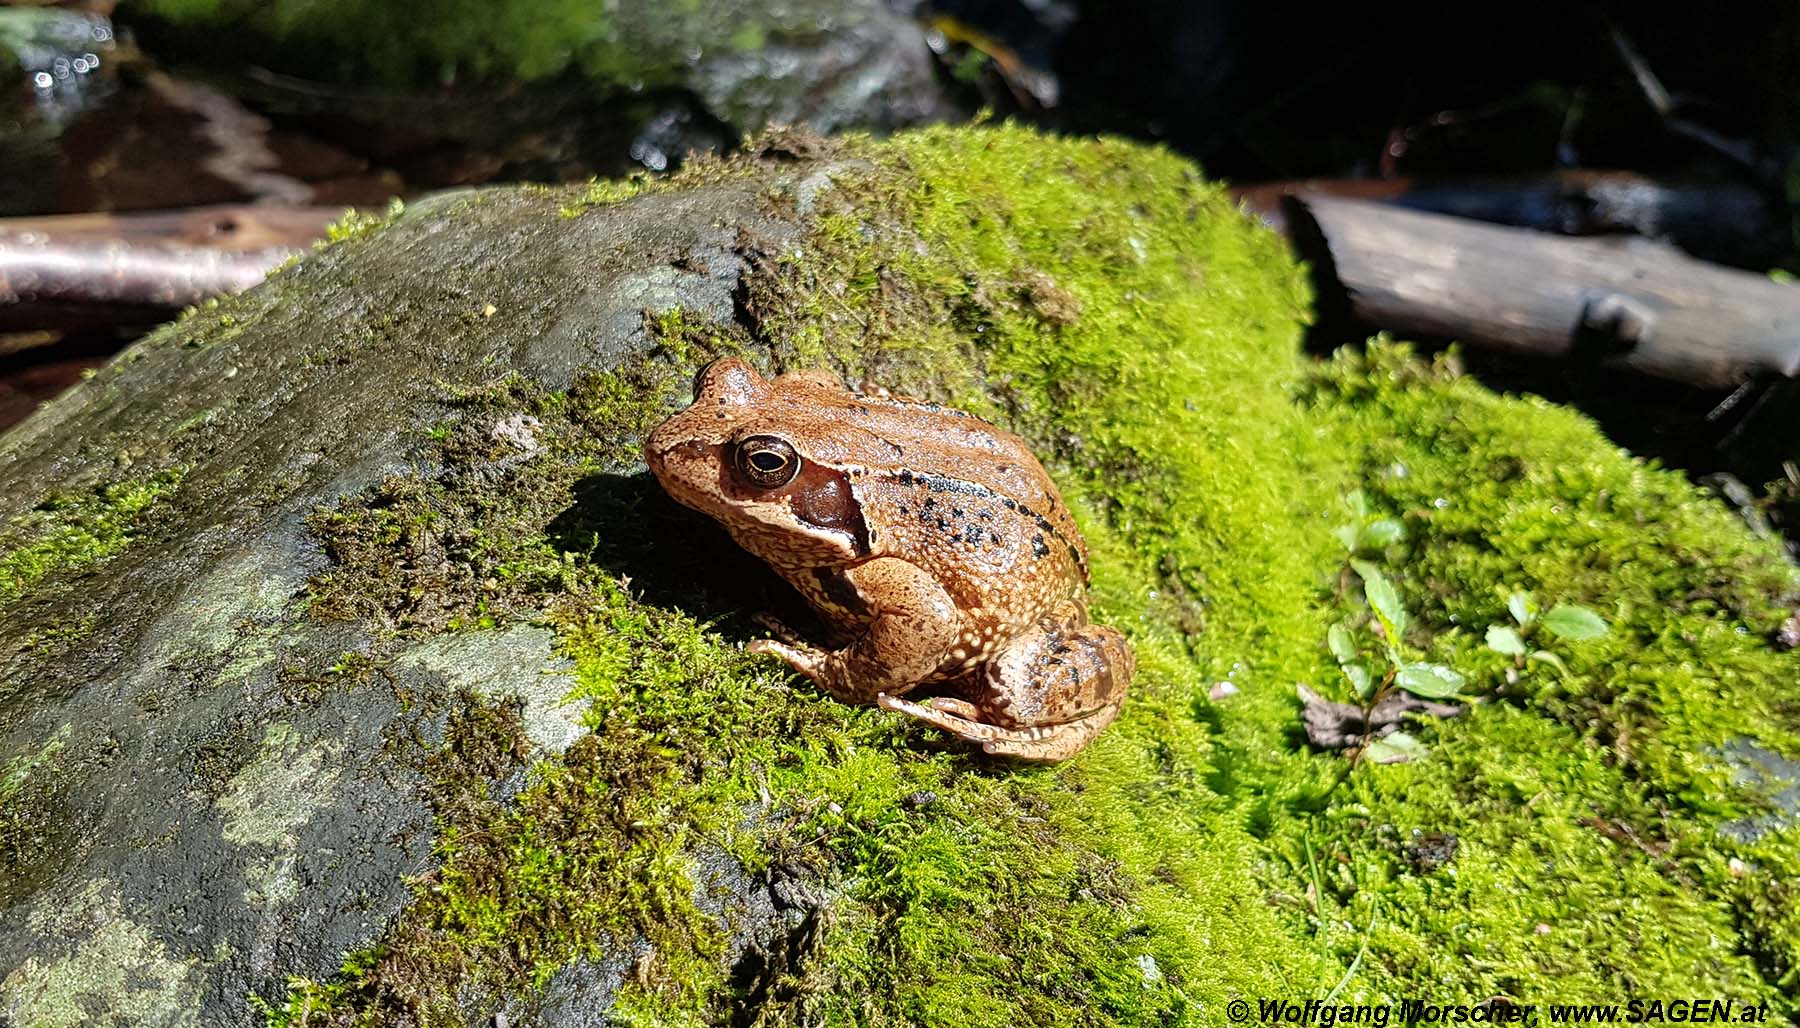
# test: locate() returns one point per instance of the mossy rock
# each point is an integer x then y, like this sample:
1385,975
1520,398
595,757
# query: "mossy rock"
565,78
362,676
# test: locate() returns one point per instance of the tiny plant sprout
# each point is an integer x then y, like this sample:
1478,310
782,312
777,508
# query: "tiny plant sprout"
1570,622
1395,748
1368,531
1396,666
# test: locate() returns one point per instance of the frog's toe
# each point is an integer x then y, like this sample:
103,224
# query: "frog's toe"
932,714
937,710
805,659
958,717
950,704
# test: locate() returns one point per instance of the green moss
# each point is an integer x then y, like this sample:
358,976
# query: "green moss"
1500,494
606,192
467,545
70,533
357,222
21,767
1615,768
1564,840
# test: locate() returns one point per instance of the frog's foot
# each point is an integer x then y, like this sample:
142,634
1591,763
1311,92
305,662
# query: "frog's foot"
1051,743
822,667
1046,743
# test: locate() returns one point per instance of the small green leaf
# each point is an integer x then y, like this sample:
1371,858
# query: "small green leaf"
1505,639
1574,622
1342,647
1348,535
1396,748
1551,659
1359,680
1383,600
1359,503
1521,608
1432,681
1381,533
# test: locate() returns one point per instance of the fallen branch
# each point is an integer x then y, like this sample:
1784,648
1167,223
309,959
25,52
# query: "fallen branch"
1624,302
217,226
109,274
78,271
1732,222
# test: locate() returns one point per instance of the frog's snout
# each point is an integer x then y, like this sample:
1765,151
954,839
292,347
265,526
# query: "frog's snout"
673,454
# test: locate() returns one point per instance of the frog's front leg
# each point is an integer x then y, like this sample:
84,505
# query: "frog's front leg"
914,622
1045,695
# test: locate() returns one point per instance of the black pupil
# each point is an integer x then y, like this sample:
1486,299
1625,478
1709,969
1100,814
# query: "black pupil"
768,461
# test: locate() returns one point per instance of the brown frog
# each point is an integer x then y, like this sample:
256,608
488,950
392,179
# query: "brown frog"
932,543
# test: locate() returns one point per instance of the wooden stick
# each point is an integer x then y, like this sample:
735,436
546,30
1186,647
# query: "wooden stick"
90,270
1626,302
1728,221
120,273
218,226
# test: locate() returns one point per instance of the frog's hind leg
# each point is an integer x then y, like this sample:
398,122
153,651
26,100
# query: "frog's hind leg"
1047,743
1044,696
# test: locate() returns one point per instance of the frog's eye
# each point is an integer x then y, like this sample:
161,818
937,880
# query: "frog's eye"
769,461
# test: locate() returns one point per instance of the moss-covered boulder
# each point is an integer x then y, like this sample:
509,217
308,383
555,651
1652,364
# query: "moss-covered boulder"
356,673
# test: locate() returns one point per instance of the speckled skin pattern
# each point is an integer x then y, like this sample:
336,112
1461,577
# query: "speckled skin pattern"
932,543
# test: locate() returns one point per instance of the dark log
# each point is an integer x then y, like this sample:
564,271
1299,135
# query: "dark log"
1621,301
1731,222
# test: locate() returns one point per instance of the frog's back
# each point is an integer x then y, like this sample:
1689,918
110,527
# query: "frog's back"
936,451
